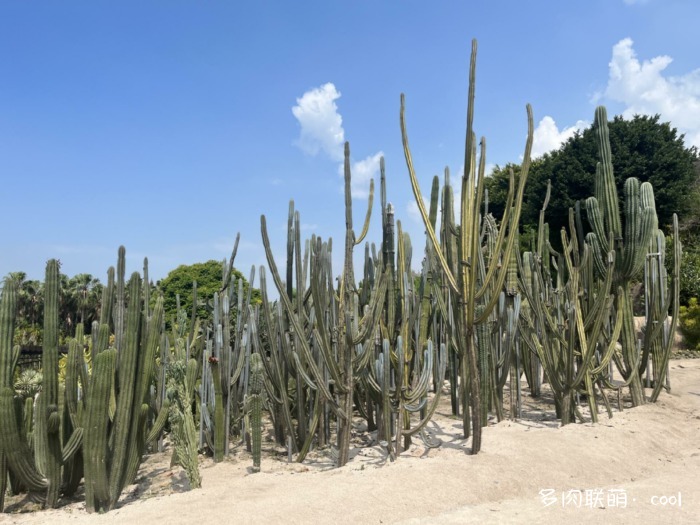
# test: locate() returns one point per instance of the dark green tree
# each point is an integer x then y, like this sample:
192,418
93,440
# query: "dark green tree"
208,276
642,147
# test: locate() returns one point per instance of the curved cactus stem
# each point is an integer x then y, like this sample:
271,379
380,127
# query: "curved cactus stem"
421,205
306,352
368,216
73,445
17,453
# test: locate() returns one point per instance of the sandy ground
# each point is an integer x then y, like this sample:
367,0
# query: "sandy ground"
641,466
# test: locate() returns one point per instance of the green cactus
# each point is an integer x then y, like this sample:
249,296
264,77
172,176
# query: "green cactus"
630,244
117,408
219,433
96,438
181,378
47,438
254,403
459,257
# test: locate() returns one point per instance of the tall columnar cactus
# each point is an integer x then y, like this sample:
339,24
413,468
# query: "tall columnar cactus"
339,368
47,437
117,416
254,402
219,434
39,471
226,345
467,288
630,244
17,456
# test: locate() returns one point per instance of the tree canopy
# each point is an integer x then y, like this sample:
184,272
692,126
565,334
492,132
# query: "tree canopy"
208,275
641,147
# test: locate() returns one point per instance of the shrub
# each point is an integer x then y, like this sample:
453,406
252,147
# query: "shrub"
690,323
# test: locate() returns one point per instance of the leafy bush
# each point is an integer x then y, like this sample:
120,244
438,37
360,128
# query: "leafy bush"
690,276
690,323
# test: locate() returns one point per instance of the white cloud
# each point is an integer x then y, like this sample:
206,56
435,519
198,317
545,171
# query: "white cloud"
548,137
644,90
321,124
361,172
322,130
632,2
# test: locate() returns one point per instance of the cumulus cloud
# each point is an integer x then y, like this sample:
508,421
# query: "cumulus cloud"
321,124
644,90
322,131
549,137
362,171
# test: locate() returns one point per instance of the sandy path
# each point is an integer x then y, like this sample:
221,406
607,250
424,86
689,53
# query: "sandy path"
639,454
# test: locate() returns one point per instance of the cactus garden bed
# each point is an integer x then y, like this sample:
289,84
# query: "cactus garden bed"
643,453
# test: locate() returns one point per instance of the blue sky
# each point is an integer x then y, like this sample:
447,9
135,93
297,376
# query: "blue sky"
170,126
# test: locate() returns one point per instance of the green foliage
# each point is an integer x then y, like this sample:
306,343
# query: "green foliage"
641,147
208,276
79,302
690,323
690,276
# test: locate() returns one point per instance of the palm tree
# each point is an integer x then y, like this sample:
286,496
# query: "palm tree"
83,293
30,304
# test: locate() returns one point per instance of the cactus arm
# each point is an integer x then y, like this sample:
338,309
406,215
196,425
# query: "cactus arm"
675,307
371,318
72,446
275,364
595,218
365,227
229,267
218,410
311,434
421,205
8,310
442,366
17,453
630,249
255,406
107,298
306,352
603,365
607,193
119,310
95,439
595,251
147,356
159,422
512,219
